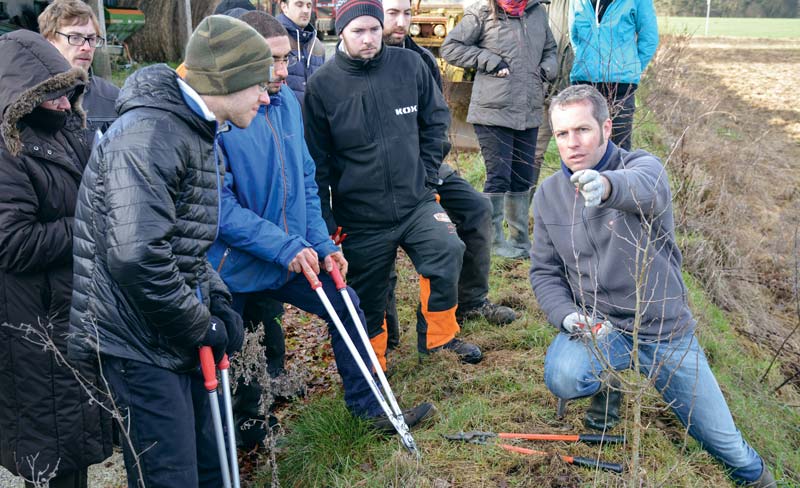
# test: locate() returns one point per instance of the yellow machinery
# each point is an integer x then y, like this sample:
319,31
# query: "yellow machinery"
430,24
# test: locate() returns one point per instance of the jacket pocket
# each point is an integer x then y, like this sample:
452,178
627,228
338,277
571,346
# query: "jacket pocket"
493,91
352,127
243,273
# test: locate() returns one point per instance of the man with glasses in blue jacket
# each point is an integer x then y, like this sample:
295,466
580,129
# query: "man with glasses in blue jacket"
271,230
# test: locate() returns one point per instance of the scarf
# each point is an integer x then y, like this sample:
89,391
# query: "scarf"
50,121
514,8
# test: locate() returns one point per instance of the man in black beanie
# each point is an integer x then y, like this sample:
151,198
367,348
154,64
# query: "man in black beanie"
376,126
225,6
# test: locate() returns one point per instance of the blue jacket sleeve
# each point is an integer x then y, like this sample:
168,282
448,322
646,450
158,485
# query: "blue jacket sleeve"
646,31
317,233
245,230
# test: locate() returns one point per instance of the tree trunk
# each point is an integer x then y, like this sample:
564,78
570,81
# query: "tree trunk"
101,65
164,35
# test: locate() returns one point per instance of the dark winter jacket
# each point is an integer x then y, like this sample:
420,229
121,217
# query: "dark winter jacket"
99,102
427,57
146,215
310,55
270,201
44,411
377,130
591,258
523,43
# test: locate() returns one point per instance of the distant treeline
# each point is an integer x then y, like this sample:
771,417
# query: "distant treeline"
730,8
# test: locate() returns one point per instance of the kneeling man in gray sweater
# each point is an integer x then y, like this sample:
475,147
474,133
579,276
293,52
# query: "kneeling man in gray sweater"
605,267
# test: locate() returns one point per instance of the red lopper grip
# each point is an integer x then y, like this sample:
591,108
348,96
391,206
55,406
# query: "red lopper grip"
336,274
209,368
312,278
224,363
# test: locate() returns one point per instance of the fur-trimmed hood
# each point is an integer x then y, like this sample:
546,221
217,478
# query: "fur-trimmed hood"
31,72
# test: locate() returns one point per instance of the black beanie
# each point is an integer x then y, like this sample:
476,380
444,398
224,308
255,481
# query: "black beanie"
226,5
347,10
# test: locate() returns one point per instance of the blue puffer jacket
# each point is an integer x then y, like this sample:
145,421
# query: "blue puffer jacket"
270,203
616,49
310,55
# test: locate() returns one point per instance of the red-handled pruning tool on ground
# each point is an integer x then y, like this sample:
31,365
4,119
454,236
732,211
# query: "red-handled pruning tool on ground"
230,469
382,392
478,437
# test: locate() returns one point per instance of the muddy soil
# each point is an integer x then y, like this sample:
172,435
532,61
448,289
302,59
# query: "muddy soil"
733,114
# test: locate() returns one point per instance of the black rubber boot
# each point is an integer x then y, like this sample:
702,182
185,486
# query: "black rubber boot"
764,481
603,412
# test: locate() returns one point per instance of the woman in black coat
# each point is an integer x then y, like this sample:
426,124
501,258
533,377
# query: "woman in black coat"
48,425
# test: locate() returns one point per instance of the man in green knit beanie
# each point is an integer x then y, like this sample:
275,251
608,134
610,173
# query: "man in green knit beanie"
145,296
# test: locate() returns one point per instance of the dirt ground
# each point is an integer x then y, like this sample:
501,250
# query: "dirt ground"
733,114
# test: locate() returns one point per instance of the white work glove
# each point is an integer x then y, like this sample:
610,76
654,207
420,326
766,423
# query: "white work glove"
591,185
577,324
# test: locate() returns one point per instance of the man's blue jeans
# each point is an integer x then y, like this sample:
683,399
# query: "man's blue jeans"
681,374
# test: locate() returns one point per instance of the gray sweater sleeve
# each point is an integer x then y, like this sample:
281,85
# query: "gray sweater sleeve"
641,187
548,274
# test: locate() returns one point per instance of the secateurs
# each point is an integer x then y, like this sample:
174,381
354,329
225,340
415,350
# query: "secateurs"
478,437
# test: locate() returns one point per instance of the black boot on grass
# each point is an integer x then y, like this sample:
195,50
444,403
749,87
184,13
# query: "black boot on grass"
492,312
603,412
413,417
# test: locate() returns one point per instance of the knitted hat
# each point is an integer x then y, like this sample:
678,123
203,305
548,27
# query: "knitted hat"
225,55
347,10
226,5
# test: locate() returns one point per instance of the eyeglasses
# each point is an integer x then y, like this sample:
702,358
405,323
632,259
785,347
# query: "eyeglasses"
289,60
79,40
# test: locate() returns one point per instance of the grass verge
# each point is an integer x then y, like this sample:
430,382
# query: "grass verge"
731,27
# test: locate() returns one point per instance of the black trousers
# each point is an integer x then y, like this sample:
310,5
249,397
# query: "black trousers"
621,105
509,156
170,425
472,215
261,310
429,238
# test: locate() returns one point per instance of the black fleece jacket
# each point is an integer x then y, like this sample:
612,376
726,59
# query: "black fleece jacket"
377,130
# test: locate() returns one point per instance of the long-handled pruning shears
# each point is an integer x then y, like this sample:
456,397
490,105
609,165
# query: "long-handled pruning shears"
381,389
478,437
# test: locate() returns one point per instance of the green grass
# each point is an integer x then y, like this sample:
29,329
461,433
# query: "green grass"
325,446
731,27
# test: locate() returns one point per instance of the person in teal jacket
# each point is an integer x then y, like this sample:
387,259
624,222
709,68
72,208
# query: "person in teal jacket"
613,41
